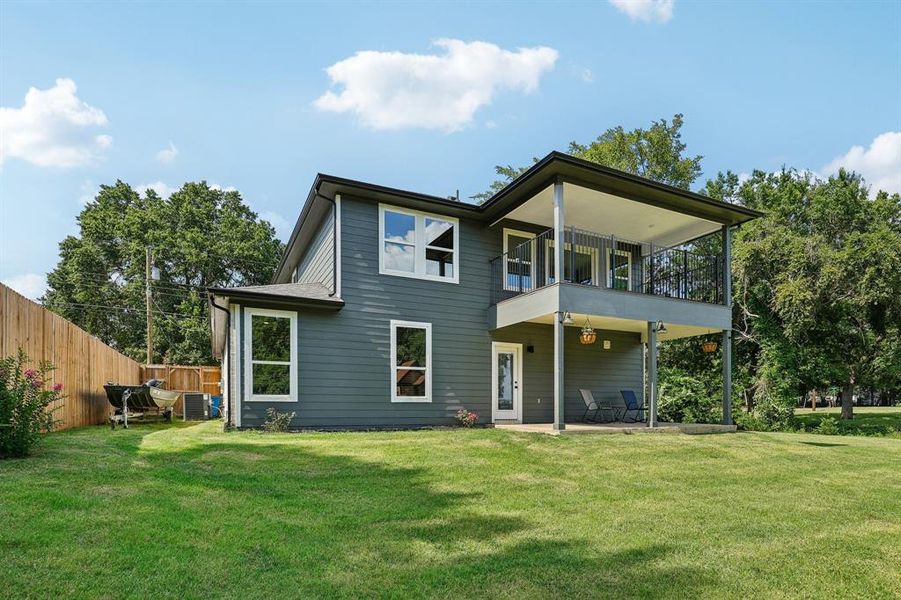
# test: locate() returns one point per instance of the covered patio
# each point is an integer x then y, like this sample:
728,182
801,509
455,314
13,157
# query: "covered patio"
585,244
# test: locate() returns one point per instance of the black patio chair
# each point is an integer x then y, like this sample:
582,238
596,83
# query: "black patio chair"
632,406
597,406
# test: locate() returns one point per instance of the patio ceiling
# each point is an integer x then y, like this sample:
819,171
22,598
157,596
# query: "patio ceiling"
673,330
605,213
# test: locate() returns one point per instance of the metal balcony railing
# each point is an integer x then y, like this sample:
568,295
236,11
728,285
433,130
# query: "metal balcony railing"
606,261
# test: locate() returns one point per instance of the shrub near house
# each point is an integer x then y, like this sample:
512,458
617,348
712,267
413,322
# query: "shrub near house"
24,404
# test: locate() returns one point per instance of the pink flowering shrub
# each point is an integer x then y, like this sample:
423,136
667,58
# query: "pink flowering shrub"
24,404
466,418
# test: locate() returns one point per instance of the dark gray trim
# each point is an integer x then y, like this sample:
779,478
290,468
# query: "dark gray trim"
274,301
582,172
727,377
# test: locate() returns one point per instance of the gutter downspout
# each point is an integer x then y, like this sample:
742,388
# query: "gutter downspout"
228,317
334,243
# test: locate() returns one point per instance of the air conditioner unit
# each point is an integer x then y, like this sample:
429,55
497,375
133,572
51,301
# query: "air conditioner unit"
196,407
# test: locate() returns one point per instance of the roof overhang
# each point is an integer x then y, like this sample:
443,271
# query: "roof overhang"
220,300
328,187
557,166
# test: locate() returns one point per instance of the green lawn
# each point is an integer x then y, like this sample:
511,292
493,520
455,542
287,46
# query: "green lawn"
868,420
190,512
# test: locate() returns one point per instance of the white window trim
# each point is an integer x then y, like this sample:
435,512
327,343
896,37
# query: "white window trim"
235,358
549,261
523,234
609,277
428,361
249,396
419,262
337,273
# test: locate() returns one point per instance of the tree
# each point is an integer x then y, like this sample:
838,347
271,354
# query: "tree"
200,237
656,153
507,173
817,283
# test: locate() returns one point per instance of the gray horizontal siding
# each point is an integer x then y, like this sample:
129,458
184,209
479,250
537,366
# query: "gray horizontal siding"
343,357
317,263
344,370
604,372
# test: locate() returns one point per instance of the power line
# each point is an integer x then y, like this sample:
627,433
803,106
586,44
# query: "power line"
137,281
128,309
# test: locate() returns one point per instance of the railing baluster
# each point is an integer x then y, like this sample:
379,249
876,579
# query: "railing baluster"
675,272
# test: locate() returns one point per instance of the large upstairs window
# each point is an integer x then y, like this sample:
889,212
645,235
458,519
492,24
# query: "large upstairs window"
415,244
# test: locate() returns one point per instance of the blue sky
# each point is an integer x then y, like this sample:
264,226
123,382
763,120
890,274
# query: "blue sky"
160,94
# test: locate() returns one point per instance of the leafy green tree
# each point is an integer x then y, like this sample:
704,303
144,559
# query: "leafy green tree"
818,281
200,237
507,173
657,153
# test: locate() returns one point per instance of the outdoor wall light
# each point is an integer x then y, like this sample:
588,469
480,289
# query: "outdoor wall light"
566,318
607,344
660,327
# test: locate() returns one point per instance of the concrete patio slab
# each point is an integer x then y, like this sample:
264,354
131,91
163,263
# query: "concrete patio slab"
612,428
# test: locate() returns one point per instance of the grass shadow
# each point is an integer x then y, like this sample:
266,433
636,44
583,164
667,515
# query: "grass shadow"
823,444
263,516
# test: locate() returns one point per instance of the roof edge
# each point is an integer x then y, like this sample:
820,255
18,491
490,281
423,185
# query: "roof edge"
556,155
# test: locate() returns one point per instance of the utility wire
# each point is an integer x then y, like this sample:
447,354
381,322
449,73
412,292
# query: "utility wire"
136,310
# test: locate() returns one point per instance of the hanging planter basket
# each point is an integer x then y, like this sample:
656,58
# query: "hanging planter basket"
709,347
588,334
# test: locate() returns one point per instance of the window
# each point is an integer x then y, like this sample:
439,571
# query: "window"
619,269
420,245
580,268
270,355
518,274
411,361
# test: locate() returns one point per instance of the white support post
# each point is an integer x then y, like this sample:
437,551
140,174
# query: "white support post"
652,374
559,228
559,246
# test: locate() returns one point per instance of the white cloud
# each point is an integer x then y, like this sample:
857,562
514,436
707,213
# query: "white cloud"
396,90
53,128
585,74
30,285
880,164
283,227
162,190
88,192
646,10
167,155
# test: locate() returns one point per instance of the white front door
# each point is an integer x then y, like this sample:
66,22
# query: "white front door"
506,381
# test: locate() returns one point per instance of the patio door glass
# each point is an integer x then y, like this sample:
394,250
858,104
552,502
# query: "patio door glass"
506,381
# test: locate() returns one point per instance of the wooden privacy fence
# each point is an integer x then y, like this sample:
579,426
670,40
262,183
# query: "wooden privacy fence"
184,378
83,363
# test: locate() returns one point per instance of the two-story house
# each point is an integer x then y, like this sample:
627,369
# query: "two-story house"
391,308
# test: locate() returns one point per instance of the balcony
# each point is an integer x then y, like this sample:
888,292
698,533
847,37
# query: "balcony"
608,262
